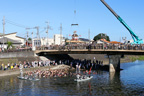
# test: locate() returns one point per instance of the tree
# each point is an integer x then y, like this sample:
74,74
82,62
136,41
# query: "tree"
29,39
66,43
9,44
101,36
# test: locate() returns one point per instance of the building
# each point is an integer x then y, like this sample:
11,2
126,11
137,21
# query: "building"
42,42
101,41
87,41
47,41
16,38
11,37
76,40
5,41
58,39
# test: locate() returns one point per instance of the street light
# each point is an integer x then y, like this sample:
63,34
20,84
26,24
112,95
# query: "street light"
103,36
43,42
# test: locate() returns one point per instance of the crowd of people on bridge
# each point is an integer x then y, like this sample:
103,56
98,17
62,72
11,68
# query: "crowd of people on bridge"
94,45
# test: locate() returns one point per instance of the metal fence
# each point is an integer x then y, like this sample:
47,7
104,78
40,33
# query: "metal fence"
84,46
96,46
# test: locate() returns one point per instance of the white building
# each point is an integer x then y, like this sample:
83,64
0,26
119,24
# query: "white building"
47,42
11,37
58,39
16,38
43,42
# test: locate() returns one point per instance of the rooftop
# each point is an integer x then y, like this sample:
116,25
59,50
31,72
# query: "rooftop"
7,39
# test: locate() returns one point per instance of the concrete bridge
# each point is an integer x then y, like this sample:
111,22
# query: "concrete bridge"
113,55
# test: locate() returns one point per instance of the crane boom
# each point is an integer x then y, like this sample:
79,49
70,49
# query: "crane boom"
134,36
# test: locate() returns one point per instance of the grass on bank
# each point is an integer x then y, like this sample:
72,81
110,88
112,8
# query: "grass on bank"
134,58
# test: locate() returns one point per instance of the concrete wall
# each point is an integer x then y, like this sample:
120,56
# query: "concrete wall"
17,54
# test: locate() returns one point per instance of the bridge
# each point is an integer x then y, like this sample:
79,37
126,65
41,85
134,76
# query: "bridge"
114,55
91,51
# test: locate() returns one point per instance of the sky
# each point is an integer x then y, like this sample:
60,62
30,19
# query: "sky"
90,15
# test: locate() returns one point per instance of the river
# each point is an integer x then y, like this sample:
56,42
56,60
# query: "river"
130,82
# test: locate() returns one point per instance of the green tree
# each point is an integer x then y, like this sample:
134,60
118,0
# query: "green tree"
29,39
101,36
9,44
66,43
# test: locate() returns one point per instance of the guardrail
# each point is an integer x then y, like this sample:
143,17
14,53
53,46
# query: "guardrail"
86,46
16,50
97,46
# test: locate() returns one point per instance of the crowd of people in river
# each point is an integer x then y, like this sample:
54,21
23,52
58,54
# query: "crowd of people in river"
78,64
49,73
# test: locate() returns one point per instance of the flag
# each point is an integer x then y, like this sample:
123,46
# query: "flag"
90,70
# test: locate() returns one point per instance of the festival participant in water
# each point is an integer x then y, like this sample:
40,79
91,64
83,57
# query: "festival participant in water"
89,72
78,76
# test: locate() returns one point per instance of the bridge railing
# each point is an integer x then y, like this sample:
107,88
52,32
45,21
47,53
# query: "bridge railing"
84,46
16,50
96,46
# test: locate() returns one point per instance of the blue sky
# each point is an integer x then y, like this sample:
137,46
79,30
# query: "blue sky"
91,14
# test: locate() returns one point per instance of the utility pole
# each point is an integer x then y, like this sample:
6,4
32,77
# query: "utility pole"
61,34
38,37
102,35
32,40
48,27
3,30
27,39
89,35
27,36
47,32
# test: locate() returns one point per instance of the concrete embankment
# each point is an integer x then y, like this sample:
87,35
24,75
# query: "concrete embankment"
17,71
16,54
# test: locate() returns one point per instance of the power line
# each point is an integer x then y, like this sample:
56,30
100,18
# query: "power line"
15,24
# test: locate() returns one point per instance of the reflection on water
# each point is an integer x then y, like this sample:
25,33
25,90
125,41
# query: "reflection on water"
129,82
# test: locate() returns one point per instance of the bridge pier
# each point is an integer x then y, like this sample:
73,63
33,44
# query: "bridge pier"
114,63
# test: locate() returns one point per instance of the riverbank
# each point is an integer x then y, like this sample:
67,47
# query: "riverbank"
17,71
